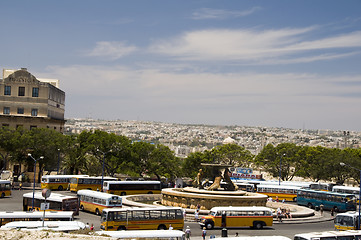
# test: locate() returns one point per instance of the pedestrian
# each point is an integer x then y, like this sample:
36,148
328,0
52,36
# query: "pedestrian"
87,226
321,209
188,233
196,215
277,199
204,233
236,234
198,207
170,227
279,214
92,228
20,186
332,212
288,213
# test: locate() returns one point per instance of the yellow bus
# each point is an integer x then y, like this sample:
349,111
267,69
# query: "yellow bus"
123,188
57,182
94,201
10,216
90,183
283,192
114,219
5,188
256,217
57,202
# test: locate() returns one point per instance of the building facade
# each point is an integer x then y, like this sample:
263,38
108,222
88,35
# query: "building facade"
28,102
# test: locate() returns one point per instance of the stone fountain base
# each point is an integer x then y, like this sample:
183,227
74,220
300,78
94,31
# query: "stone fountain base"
190,197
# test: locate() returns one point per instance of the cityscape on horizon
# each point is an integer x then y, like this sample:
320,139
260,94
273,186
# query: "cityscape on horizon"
186,138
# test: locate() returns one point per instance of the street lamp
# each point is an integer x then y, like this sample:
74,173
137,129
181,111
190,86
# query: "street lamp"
359,200
58,161
35,160
279,176
104,153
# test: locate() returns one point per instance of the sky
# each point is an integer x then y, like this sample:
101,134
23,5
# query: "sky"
268,63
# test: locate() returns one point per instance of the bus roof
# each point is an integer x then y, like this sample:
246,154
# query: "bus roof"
153,234
253,208
278,186
96,177
97,194
53,196
37,214
349,213
327,192
48,225
346,188
318,235
138,208
256,238
133,182
63,176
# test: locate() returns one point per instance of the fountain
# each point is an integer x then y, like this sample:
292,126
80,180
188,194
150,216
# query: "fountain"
214,195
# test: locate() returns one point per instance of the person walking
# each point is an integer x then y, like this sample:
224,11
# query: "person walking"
188,233
170,227
196,215
204,233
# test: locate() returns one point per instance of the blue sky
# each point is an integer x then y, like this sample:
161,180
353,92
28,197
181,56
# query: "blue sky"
293,64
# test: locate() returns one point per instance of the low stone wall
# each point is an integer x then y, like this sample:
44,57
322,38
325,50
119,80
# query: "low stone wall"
136,200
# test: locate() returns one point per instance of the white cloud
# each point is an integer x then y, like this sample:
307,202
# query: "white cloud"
255,47
209,13
111,50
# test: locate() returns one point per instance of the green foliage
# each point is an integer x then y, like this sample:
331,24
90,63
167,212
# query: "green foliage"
86,153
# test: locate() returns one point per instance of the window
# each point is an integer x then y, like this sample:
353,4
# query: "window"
6,110
21,91
35,92
34,112
7,90
20,110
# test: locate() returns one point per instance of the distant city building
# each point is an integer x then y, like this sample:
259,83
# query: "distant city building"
30,102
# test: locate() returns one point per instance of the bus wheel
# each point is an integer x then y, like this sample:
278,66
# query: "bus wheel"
295,199
309,205
258,225
150,192
335,209
60,188
97,212
121,228
162,227
209,225
81,207
2,195
123,193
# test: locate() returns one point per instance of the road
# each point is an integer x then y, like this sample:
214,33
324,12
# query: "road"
14,203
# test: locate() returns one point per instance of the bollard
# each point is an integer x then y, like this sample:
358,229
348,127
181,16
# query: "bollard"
224,232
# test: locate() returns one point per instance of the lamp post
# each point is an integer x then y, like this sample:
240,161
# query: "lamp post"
58,161
104,153
35,160
279,176
359,202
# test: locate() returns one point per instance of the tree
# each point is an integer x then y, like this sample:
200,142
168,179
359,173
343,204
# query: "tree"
232,154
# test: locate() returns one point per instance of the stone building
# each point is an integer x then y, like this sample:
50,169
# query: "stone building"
30,102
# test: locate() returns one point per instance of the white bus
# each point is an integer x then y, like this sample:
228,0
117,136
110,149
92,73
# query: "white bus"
57,182
10,216
123,188
347,189
95,202
255,238
145,234
57,202
346,221
330,235
61,226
